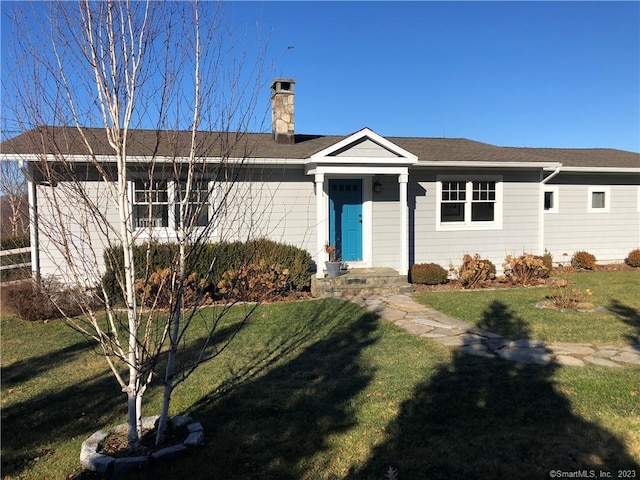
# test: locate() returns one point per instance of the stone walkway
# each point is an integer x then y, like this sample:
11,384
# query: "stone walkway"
429,323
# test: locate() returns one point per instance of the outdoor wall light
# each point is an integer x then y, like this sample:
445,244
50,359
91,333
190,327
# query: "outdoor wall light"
377,187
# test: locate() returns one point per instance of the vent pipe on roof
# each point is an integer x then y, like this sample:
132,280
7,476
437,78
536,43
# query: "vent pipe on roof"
282,110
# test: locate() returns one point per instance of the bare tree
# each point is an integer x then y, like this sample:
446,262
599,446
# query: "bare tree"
13,189
175,70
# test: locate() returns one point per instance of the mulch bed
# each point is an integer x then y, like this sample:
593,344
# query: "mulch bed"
498,284
115,444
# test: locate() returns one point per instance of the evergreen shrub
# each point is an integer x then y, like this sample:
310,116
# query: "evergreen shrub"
583,260
428,274
633,259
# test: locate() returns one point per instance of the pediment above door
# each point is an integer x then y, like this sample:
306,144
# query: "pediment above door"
364,147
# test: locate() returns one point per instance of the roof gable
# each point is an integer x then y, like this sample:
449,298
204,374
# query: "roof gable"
364,146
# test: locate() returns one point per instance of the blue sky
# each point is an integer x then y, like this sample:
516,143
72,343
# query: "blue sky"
550,74
555,74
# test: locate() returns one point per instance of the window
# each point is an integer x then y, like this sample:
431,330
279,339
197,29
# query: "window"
551,199
150,204
473,204
156,204
198,206
599,200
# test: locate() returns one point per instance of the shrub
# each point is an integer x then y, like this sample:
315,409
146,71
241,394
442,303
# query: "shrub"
525,269
547,258
46,300
633,259
583,260
156,290
255,282
211,262
428,274
475,271
563,295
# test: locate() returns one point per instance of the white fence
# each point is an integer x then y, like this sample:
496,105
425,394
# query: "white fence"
15,251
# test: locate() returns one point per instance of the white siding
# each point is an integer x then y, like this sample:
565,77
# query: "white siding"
610,236
519,232
386,223
277,203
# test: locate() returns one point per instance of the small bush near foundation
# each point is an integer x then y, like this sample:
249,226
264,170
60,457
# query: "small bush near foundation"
633,259
547,258
583,260
428,274
255,282
46,300
526,269
475,271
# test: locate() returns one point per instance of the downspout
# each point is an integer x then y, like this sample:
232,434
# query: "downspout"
544,181
34,239
555,172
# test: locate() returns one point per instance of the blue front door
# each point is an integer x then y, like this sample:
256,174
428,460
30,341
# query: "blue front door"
345,218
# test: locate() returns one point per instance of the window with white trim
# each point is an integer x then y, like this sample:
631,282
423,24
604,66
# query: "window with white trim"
150,204
551,199
599,199
474,203
157,204
197,209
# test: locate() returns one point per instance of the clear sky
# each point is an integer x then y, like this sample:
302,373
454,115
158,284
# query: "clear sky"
534,74
554,74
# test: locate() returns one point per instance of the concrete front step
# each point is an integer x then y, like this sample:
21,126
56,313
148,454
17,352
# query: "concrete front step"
365,281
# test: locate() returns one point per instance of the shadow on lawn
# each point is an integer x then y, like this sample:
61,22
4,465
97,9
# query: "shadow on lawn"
630,316
80,409
24,370
75,410
491,418
268,426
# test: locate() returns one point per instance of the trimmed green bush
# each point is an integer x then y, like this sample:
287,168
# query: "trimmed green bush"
216,257
583,260
633,259
428,274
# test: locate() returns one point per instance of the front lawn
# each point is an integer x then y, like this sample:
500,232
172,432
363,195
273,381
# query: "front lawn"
324,390
617,292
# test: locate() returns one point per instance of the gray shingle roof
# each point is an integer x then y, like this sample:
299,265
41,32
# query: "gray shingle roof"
148,142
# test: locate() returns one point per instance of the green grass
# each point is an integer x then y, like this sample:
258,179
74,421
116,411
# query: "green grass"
617,292
324,390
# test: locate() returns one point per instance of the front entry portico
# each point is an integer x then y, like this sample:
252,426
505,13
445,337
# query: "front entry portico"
345,201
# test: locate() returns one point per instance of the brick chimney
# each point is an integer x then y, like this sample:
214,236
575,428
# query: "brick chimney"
282,110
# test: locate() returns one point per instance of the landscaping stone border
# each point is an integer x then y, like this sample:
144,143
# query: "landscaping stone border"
107,465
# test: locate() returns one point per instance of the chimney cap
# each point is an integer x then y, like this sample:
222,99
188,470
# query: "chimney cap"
282,85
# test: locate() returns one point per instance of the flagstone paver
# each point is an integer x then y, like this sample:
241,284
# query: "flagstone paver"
426,322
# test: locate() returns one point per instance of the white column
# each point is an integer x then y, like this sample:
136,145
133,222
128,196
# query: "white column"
33,227
404,224
321,225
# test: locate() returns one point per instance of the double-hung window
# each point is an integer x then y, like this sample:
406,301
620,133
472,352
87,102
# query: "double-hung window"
469,203
196,211
150,204
157,204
